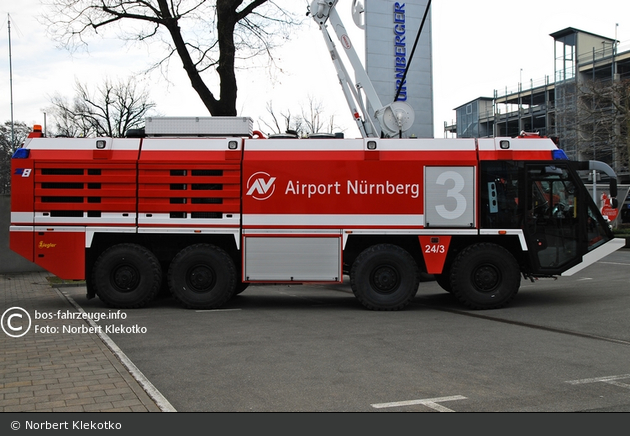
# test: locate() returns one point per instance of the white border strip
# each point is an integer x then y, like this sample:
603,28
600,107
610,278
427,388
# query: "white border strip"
508,232
597,254
332,220
22,217
122,218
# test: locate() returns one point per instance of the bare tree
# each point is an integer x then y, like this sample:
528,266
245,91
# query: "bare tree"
604,120
283,122
312,115
113,109
7,148
204,34
312,118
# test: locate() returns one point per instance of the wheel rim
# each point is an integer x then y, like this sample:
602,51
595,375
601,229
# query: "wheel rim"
385,279
125,278
201,278
486,278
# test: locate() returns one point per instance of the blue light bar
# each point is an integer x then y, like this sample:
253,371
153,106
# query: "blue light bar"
21,153
559,155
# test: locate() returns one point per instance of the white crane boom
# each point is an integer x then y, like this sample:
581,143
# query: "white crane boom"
385,120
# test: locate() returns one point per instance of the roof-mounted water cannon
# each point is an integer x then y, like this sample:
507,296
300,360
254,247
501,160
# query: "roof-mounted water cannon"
357,14
384,120
396,118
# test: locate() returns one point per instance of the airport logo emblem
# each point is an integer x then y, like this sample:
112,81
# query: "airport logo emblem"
261,186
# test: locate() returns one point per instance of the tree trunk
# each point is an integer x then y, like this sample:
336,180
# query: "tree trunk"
226,104
226,22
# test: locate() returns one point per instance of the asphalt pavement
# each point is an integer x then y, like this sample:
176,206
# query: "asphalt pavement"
562,345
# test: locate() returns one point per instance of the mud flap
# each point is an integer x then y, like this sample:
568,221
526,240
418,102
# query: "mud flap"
434,250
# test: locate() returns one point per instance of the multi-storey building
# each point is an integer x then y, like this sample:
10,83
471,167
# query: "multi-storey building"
583,105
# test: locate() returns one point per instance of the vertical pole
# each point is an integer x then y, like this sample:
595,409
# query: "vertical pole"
520,104
531,104
11,83
595,189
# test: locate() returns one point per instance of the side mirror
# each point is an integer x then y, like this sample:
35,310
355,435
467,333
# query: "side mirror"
613,187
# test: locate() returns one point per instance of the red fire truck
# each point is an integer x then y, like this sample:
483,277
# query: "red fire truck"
205,206
208,206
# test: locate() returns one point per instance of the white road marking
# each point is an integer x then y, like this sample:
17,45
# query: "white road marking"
428,402
611,380
216,310
616,383
148,387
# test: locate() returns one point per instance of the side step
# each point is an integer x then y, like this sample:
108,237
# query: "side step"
597,254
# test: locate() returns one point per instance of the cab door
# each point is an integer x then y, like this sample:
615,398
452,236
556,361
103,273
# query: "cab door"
562,223
555,224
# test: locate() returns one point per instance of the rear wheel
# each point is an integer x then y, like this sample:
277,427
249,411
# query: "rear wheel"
384,277
202,276
126,276
485,276
240,288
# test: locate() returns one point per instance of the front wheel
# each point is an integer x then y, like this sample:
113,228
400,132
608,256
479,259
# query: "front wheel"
384,277
485,276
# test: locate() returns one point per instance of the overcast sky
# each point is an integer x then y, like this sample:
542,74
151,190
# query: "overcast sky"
478,46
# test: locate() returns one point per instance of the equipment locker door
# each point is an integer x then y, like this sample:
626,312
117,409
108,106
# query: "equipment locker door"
449,196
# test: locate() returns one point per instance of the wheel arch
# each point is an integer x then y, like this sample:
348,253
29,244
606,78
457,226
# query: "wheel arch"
164,246
510,242
357,243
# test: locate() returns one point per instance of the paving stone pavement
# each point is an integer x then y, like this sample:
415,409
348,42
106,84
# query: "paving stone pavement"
57,371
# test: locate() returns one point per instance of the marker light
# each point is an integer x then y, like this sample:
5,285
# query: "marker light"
21,153
559,155
37,132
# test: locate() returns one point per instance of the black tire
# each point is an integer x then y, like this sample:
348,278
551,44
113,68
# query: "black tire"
202,276
126,276
444,280
384,277
485,276
240,288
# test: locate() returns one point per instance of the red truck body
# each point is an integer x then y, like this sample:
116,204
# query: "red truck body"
298,210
